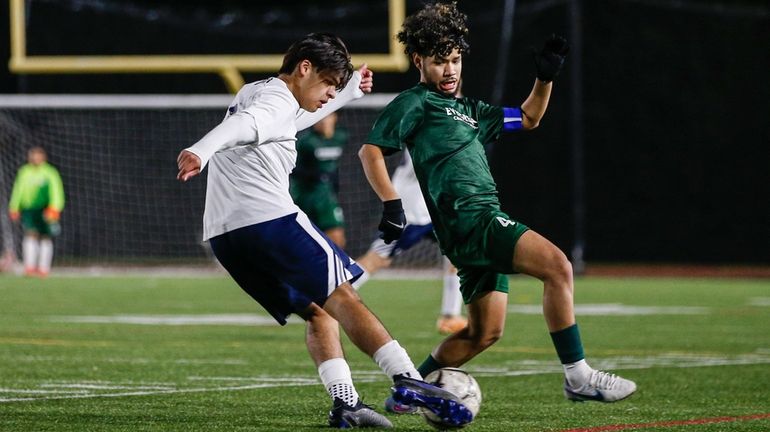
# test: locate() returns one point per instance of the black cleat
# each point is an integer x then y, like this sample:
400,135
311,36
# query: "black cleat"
344,416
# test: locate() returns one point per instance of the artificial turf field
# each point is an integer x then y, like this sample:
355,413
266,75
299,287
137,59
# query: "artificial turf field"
182,354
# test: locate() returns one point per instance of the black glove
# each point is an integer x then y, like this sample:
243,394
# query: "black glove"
550,59
393,221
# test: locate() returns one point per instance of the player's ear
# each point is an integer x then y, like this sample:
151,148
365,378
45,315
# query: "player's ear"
417,60
304,68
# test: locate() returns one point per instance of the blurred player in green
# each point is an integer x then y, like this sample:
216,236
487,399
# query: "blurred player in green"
315,179
445,136
37,200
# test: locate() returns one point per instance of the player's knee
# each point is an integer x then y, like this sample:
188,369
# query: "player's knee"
559,268
343,295
486,338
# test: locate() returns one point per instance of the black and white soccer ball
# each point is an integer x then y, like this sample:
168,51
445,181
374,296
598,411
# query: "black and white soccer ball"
459,383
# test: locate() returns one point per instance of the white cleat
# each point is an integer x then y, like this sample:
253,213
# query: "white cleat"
602,387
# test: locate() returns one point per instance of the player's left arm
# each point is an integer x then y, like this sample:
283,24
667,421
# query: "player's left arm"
56,199
360,83
549,62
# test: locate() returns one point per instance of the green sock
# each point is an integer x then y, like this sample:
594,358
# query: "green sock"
429,365
568,344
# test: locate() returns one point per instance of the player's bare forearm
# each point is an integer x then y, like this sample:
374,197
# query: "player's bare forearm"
533,109
376,172
189,165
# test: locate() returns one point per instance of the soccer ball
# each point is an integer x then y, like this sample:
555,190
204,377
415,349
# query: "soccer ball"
462,385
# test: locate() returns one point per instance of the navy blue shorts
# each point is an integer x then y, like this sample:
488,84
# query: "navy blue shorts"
284,264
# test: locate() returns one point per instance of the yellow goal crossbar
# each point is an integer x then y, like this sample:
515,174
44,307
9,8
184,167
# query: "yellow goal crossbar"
229,67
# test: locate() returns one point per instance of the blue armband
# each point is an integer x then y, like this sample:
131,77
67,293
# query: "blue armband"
511,119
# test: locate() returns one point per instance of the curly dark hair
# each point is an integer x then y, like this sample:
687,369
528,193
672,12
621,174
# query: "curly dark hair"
437,29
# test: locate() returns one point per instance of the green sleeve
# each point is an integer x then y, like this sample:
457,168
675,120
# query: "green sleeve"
18,185
490,121
397,122
56,189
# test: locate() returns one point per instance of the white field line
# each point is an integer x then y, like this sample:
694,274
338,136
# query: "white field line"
507,369
604,309
152,392
136,361
175,320
759,301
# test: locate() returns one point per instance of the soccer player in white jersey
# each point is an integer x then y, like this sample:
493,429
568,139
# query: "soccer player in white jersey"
274,252
419,226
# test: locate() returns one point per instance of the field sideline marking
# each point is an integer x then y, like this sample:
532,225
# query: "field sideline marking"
522,368
155,392
671,423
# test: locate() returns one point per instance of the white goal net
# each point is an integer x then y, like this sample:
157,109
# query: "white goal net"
117,158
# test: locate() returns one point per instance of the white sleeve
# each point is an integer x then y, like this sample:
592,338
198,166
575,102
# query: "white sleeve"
264,120
305,119
234,130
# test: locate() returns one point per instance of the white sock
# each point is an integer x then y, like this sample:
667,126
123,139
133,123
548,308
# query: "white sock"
335,376
46,255
452,299
577,373
393,360
29,249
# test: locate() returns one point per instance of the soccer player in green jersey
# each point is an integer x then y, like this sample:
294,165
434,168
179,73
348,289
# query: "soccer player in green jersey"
37,200
315,179
445,136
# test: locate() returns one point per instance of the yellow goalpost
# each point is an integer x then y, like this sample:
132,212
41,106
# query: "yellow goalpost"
228,67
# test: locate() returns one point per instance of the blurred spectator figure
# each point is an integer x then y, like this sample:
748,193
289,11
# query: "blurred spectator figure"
315,179
37,200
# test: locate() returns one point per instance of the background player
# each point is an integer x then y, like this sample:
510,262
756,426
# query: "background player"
418,227
445,136
315,179
269,246
37,200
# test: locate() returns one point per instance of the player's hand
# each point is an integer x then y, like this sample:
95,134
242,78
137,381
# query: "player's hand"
367,79
14,215
550,59
189,165
393,221
51,215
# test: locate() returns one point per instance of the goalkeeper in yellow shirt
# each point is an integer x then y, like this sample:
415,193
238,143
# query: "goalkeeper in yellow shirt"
37,200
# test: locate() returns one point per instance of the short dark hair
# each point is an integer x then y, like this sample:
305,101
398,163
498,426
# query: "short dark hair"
325,51
437,29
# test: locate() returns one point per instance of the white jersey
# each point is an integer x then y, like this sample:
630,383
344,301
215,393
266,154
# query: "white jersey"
252,152
405,182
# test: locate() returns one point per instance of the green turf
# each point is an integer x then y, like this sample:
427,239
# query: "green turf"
714,362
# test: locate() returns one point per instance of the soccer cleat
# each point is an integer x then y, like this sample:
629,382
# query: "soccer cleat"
344,416
602,387
451,324
445,405
394,407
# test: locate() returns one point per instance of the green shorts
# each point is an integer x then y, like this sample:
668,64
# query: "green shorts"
486,255
33,221
321,207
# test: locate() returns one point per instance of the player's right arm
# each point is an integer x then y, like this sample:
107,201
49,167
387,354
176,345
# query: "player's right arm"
373,161
14,206
393,128
264,120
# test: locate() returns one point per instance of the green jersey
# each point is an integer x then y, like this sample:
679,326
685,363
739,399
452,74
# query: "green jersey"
318,160
37,187
445,137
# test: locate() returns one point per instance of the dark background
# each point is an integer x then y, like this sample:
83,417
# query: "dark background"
675,104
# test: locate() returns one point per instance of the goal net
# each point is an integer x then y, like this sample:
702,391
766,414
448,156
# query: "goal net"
117,158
